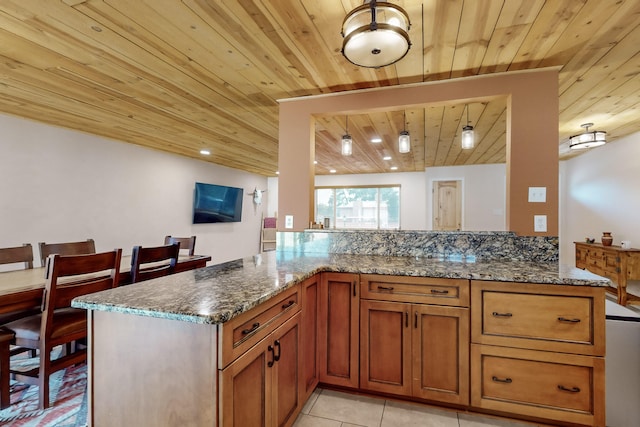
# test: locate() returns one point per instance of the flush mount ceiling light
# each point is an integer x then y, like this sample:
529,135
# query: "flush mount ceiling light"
468,135
404,140
375,34
347,142
587,139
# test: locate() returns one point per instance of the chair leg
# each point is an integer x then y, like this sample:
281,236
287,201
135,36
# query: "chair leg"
5,396
43,379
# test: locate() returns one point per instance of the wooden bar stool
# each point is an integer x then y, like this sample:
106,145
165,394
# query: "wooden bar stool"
5,340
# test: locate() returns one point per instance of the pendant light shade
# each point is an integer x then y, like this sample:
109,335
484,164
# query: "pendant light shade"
404,139
468,135
347,142
375,34
587,139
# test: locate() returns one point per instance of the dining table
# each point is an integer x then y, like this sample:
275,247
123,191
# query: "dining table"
23,289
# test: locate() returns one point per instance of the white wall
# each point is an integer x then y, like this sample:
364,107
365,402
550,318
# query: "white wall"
600,191
484,194
61,185
412,190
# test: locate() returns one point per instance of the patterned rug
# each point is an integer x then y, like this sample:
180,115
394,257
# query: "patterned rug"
67,391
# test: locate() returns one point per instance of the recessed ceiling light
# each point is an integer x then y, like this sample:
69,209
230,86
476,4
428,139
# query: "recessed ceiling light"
277,172
376,140
386,158
205,152
332,171
315,162
394,168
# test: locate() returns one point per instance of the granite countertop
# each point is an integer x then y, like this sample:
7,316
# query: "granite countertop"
220,292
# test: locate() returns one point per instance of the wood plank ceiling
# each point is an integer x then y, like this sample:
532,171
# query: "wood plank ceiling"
182,76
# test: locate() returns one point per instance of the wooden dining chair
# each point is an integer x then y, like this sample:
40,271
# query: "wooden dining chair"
18,255
186,243
66,248
58,324
151,262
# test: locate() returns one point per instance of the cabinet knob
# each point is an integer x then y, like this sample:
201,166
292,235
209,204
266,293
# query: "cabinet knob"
564,319
496,314
570,390
251,329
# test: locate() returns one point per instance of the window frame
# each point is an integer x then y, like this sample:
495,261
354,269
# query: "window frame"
378,189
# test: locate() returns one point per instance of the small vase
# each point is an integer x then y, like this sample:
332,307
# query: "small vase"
606,238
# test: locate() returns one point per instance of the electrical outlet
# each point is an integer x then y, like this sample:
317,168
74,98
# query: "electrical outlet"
288,221
537,194
540,223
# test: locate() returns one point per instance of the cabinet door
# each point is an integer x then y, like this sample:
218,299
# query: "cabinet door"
441,353
244,397
310,291
385,347
339,329
285,373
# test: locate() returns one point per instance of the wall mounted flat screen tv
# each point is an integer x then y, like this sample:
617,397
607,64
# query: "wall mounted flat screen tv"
216,203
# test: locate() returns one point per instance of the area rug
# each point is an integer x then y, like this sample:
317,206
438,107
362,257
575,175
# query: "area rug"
67,391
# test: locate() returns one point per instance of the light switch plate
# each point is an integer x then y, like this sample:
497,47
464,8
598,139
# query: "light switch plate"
540,223
537,194
288,221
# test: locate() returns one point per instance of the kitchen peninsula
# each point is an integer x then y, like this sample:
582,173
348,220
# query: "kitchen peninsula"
247,341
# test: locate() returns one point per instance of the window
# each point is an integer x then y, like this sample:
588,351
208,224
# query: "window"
359,207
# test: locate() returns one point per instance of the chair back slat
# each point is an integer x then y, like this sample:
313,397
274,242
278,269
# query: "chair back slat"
70,276
186,243
18,254
68,248
144,261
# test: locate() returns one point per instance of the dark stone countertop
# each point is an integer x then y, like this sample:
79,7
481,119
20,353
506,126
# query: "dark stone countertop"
220,292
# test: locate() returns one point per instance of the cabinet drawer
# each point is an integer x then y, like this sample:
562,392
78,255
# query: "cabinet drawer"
242,332
425,290
562,387
567,319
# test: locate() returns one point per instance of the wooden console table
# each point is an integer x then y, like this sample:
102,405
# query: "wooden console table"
612,262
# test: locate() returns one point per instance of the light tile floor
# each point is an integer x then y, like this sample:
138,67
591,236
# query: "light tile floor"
329,408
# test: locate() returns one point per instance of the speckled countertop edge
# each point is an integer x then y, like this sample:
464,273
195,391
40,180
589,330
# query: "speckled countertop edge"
217,293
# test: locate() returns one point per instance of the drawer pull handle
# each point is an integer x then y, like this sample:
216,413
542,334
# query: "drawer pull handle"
501,380
439,291
570,390
287,305
564,319
385,288
273,356
251,329
496,314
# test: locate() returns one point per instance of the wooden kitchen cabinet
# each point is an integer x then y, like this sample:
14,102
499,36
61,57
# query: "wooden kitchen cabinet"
310,369
612,262
260,364
538,350
416,350
261,387
338,329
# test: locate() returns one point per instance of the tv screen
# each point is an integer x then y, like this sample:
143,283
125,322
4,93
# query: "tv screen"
216,203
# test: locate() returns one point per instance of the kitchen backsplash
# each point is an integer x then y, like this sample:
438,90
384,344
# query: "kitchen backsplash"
467,246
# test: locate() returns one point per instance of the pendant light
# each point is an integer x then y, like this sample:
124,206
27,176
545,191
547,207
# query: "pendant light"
468,135
347,142
587,139
375,34
404,140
